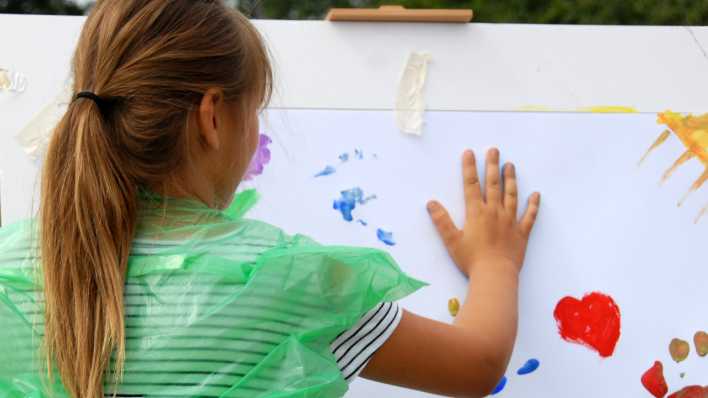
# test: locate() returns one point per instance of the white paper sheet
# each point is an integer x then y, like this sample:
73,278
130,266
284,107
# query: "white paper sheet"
605,225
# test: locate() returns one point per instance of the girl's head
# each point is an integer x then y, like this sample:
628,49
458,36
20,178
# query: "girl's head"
185,80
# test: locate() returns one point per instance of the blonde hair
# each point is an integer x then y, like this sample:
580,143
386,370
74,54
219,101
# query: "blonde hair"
152,60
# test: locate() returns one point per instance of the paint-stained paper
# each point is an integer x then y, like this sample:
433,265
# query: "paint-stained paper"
410,104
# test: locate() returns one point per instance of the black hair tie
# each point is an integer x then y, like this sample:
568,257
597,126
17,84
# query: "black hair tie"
88,94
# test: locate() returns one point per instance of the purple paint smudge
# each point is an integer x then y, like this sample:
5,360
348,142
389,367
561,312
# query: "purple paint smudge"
385,237
260,158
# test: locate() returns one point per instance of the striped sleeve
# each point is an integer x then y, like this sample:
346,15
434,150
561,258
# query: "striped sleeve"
354,347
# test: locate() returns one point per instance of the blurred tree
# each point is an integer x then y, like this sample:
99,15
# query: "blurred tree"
616,12
40,7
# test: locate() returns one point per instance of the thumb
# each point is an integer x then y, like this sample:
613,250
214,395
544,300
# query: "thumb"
443,223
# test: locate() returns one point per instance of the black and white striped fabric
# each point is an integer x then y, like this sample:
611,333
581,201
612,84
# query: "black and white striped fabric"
354,348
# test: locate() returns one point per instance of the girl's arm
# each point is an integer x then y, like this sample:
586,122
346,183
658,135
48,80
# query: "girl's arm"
469,357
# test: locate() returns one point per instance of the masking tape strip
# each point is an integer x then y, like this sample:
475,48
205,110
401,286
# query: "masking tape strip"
12,81
34,137
410,104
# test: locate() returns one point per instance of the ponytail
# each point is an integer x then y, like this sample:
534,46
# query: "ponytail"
87,222
156,59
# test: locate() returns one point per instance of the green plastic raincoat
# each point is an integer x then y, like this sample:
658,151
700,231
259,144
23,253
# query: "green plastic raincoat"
216,305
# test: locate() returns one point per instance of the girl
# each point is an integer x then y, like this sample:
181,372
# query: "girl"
140,276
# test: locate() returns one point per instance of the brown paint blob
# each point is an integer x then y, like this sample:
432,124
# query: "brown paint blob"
679,349
700,339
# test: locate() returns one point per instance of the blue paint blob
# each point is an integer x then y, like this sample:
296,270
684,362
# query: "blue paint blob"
345,207
326,171
344,157
530,366
348,201
385,237
359,154
500,386
362,222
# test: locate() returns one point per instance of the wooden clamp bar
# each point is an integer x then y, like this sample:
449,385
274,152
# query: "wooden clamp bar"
399,14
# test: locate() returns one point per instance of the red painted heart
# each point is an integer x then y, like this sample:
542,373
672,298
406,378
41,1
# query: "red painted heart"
593,322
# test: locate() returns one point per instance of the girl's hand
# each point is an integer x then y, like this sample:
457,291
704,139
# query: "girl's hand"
492,234
468,358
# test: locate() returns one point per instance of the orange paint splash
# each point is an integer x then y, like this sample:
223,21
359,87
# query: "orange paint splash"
700,339
693,133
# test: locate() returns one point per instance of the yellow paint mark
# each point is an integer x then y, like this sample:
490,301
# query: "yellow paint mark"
535,108
701,214
609,109
662,138
685,157
453,306
4,80
693,133
589,109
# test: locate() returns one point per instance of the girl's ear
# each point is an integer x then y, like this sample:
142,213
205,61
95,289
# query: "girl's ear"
207,117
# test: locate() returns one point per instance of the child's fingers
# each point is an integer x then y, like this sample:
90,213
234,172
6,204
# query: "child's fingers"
510,189
529,218
470,181
443,223
493,186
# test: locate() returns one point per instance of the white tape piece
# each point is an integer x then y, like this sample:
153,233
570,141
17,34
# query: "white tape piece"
34,137
12,81
410,104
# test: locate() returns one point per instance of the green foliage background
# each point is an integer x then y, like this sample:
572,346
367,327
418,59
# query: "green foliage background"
614,12
619,12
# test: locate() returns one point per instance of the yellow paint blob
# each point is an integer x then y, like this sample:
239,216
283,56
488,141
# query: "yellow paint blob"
609,109
453,305
589,109
535,108
693,133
